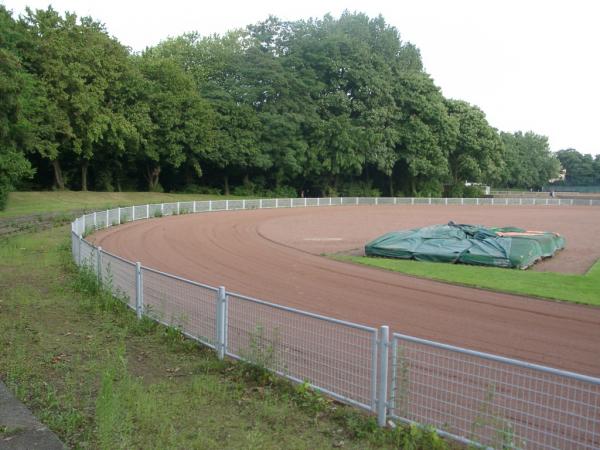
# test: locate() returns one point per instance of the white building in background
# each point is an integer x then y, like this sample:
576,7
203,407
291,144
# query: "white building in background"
561,176
485,188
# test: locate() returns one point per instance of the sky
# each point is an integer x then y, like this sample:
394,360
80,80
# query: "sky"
528,64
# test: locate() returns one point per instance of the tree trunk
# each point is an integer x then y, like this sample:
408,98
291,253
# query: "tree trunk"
413,186
246,179
152,176
84,171
58,178
226,183
391,179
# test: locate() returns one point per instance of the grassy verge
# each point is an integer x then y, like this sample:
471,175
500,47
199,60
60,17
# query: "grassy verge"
28,203
557,286
101,379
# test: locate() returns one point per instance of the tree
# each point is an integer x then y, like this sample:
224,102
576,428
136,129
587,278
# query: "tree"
528,161
180,121
477,155
581,169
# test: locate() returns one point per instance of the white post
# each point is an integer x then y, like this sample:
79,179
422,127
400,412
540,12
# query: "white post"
119,216
377,200
571,202
221,344
395,200
384,342
107,225
79,251
276,203
430,200
547,202
357,200
178,207
412,200
462,201
132,213
147,211
477,201
305,202
162,209
446,201
520,200
99,264
318,201
227,205
260,203
139,291
83,224
244,204
210,205
95,220
329,201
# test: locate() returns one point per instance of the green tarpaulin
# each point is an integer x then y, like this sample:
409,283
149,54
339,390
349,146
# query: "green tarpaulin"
469,244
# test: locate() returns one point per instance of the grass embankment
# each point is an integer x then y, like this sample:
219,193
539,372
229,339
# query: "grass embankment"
101,379
557,286
29,203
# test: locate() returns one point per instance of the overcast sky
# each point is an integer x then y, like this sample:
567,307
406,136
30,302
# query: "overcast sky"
529,64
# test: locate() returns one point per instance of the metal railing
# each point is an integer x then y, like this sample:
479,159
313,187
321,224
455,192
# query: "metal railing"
470,396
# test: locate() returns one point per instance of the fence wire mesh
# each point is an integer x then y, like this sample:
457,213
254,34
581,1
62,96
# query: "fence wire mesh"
491,401
333,356
140,212
119,276
180,303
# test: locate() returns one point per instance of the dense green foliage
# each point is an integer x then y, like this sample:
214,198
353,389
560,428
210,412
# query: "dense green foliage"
321,106
581,170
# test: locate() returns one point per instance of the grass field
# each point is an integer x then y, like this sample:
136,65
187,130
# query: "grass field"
557,286
100,378
29,203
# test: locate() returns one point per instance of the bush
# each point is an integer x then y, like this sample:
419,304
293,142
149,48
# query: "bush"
201,190
359,189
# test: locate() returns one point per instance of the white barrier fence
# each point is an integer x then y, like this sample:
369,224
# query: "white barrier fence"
474,397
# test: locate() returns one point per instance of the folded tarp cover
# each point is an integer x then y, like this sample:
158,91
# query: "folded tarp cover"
469,244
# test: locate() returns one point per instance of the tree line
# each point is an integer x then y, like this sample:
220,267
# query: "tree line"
330,106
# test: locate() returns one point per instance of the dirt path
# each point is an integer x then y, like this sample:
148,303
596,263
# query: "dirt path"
274,255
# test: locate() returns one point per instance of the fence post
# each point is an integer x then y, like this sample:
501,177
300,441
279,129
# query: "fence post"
462,200
83,232
226,205
477,201
119,216
99,264
412,200
139,291
430,200
210,205
95,220
107,216
221,345
177,208
147,211
357,200
276,203
304,202
329,201
162,209
133,213
194,206
384,343
244,204
446,201
79,251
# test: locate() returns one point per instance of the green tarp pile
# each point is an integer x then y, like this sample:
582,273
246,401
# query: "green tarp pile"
468,244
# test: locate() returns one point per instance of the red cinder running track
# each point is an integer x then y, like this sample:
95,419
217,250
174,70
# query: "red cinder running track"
274,255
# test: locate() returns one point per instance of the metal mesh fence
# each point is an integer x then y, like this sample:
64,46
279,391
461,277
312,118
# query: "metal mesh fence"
467,395
491,400
119,276
141,212
189,306
333,356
